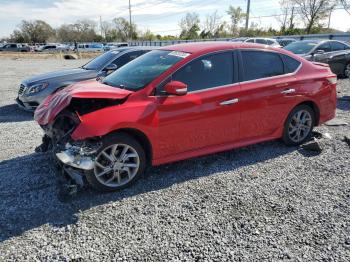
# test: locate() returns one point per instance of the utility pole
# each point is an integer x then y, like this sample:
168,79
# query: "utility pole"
101,26
247,15
130,25
329,19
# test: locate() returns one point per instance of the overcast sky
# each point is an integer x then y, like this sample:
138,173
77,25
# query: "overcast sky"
160,16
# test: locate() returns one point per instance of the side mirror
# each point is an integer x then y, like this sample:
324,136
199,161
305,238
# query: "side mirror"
111,67
320,52
176,88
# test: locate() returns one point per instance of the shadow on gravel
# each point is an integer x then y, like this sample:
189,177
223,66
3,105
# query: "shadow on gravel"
28,186
12,113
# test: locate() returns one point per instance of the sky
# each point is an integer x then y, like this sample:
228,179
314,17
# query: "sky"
160,16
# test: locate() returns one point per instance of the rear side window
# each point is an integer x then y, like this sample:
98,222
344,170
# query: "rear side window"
291,65
260,41
261,64
250,41
207,72
336,46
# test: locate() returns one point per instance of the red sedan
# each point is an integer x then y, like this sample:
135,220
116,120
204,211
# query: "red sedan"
184,101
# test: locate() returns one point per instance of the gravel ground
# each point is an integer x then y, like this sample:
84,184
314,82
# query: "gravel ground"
263,202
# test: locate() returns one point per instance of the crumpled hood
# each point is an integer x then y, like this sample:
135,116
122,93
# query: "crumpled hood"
54,104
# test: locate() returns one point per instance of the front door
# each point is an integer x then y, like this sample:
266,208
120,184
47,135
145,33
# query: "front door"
209,114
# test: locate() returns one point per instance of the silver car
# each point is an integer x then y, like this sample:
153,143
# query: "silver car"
258,40
34,90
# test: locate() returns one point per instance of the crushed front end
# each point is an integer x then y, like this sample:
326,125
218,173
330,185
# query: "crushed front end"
60,114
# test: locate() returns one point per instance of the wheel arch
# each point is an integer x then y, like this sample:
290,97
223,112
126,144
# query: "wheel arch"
140,137
314,107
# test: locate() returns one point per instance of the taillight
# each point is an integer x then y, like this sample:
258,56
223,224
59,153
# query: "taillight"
332,80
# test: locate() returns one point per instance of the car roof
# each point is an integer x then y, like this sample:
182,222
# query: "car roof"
199,47
132,48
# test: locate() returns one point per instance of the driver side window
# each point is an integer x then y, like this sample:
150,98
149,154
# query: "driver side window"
326,47
207,72
126,58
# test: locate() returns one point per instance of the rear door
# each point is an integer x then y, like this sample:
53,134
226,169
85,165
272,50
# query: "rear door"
339,57
268,90
209,114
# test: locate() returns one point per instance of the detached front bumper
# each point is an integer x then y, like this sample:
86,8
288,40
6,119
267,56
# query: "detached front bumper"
78,161
74,160
80,155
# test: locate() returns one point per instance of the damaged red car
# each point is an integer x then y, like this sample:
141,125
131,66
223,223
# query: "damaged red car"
184,101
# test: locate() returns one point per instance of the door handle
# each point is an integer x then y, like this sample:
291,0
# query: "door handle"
229,102
288,91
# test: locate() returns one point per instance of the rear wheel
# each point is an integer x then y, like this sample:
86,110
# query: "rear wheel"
298,126
347,71
120,161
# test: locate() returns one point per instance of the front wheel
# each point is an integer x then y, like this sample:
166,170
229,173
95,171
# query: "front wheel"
119,162
298,126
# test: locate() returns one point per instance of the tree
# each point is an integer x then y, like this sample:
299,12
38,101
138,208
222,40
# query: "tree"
346,5
313,11
106,30
189,26
80,31
236,15
147,35
286,19
36,31
123,29
211,25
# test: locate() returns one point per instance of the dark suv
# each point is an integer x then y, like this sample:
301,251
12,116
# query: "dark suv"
15,48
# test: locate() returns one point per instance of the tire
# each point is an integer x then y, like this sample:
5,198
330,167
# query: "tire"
122,178
292,127
347,71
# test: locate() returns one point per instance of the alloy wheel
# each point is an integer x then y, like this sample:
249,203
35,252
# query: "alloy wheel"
347,70
300,126
116,165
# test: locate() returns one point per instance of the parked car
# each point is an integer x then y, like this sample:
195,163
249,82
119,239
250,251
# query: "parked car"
35,89
258,40
15,48
285,41
184,101
332,52
93,47
111,46
52,48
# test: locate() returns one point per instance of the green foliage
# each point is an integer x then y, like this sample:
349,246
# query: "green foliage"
236,14
189,26
36,31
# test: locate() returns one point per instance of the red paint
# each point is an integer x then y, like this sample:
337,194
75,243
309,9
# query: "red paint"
180,127
54,104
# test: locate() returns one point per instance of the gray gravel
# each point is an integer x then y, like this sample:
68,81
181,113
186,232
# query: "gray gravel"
263,202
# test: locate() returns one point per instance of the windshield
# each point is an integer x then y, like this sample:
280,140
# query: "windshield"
301,47
99,62
141,71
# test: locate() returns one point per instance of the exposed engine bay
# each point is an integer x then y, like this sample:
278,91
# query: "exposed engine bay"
74,157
